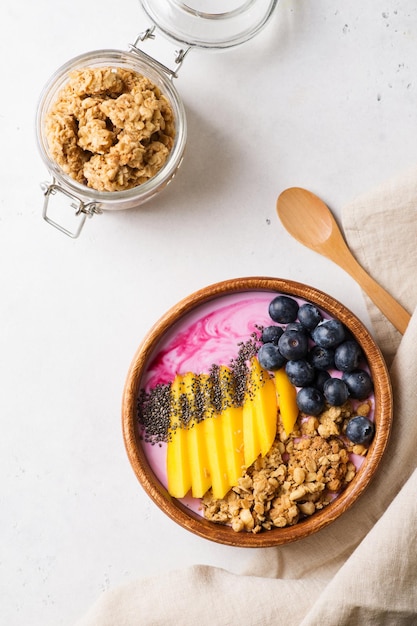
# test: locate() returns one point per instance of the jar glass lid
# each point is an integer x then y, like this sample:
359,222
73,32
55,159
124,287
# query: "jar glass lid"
209,23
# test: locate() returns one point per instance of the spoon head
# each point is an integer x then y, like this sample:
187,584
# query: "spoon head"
305,216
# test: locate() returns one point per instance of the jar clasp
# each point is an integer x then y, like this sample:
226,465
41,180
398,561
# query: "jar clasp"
179,57
82,209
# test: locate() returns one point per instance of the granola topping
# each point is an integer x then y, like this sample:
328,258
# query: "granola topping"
110,128
301,474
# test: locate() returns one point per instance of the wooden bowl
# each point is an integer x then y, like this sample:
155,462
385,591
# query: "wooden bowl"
187,518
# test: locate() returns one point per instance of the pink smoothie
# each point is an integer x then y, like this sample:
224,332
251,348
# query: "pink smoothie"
209,335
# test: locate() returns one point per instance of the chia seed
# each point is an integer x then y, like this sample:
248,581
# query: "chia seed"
184,411
154,413
215,389
240,368
209,396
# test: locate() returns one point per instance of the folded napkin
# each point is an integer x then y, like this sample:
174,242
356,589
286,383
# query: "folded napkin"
362,569
381,229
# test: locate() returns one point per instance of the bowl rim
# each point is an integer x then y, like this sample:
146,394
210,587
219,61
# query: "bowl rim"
191,521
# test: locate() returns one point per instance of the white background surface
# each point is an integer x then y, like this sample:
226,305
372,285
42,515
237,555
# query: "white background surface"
326,98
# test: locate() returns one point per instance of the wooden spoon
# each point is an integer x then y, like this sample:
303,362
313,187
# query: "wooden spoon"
310,221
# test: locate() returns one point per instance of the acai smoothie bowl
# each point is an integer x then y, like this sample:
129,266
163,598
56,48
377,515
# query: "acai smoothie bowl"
256,411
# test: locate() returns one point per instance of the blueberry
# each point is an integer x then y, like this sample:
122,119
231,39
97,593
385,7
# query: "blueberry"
271,334
347,356
360,430
293,344
283,309
321,358
328,334
300,373
335,391
270,357
310,400
320,378
359,384
309,315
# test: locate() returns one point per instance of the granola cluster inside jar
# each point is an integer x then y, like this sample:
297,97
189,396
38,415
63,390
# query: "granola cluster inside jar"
110,128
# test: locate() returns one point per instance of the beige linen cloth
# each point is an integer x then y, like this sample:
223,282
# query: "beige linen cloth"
362,569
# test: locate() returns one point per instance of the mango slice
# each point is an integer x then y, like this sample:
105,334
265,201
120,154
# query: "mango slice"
232,428
198,452
232,425
213,431
251,447
259,414
178,469
198,460
287,403
267,409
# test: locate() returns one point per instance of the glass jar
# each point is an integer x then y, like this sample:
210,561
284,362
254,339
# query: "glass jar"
83,199
192,23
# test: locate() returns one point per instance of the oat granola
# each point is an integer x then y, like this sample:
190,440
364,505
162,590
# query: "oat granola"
301,474
110,128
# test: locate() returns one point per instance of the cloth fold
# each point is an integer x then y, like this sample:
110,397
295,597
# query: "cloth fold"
381,230
362,568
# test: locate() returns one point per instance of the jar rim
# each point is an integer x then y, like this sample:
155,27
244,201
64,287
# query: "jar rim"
145,66
202,24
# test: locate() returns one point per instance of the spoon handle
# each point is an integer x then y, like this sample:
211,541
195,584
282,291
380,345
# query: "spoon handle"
393,311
